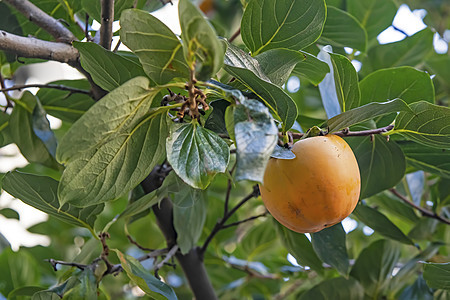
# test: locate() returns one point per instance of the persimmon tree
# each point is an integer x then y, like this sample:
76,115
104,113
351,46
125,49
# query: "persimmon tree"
151,183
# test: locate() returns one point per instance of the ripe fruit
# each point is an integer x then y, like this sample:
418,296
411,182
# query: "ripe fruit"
315,190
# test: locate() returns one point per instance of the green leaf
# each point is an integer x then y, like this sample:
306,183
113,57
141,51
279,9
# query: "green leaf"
196,154
437,276
278,64
40,192
327,88
380,223
377,158
10,213
311,69
24,291
407,52
140,205
189,207
23,134
256,136
346,82
406,83
294,24
374,265
41,128
300,247
66,105
247,70
86,287
282,153
332,240
427,124
113,146
365,113
419,290
5,136
335,288
440,65
146,281
374,15
202,48
157,47
259,240
425,158
343,30
216,119
109,70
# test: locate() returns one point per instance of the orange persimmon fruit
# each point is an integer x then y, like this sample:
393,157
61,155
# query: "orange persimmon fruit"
317,189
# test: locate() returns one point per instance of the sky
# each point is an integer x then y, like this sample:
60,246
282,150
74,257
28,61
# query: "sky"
10,158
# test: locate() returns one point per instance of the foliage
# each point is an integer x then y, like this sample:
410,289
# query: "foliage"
150,180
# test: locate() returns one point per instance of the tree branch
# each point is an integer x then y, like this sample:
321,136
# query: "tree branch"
43,20
55,262
35,48
425,212
47,86
221,223
169,255
346,132
245,220
106,23
192,262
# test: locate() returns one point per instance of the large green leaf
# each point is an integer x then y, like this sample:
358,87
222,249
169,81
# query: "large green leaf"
157,47
311,69
145,280
406,83
22,131
407,52
40,192
292,24
300,247
256,136
202,48
247,70
85,288
380,223
376,158
365,113
327,87
66,105
374,265
440,65
196,154
419,290
259,240
109,70
427,124
437,276
278,64
343,30
374,15
433,160
189,207
346,82
332,240
339,288
113,146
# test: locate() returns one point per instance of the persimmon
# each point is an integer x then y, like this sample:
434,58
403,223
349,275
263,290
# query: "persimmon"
317,189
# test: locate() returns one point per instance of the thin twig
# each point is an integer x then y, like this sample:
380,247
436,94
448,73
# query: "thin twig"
137,244
425,212
153,254
245,220
290,290
106,23
253,273
235,35
55,262
43,20
116,48
2,87
169,255
220,223
48,86
346,132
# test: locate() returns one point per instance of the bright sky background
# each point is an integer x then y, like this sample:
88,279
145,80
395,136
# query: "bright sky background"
10,158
